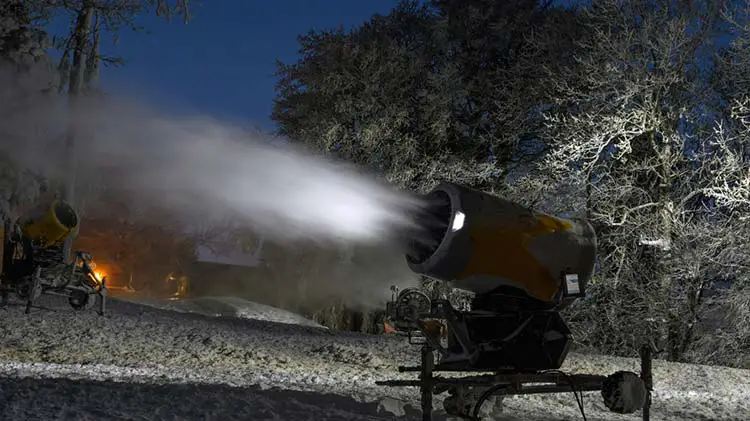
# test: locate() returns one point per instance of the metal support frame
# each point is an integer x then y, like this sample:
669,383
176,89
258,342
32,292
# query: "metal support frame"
499,383
427,381
37,287
508,384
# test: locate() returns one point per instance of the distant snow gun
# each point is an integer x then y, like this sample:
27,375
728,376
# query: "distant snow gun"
34,263
523,267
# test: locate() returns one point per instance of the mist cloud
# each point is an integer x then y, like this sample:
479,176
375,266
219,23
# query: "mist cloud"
204,171
201,168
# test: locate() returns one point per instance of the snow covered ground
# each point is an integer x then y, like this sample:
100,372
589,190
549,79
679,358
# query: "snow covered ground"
145,363
228,307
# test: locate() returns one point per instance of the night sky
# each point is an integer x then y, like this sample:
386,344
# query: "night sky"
223,62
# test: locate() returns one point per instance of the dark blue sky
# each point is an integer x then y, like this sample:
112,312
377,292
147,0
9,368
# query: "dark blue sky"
222,62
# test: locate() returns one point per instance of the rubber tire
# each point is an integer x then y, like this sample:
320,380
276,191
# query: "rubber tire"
27,288
624,392
80,300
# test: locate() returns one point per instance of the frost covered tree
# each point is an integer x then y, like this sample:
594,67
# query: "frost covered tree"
427,92
639,143
81,57
729,342
90,20
26,76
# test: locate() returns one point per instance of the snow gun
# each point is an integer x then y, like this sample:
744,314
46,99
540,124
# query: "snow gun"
49,226
522,267
34,260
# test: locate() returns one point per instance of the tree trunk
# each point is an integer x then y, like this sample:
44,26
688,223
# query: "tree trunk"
75,88
667,337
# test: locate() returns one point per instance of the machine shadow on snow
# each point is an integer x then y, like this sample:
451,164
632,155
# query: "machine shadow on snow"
66,399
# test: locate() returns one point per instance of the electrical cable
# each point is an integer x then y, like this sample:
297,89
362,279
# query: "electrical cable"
577,393
486,395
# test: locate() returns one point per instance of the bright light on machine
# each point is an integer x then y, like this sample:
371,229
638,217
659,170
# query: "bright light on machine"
458,221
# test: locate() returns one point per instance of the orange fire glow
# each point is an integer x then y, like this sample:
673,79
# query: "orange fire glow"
99,274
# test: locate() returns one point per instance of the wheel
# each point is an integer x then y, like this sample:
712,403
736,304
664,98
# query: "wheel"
411,304
80,300
28,290
624,392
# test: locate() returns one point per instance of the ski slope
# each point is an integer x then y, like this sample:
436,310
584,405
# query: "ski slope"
146,363
228,307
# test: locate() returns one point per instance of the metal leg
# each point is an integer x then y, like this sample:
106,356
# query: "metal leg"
103,297
426,380
647,377
34,289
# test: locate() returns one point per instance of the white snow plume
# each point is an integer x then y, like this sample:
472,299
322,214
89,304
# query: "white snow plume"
208,173
200,168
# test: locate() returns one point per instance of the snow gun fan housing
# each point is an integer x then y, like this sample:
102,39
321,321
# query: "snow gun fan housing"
50,225
484,244
523,267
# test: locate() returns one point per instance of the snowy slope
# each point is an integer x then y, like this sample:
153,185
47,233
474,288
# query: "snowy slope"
228,307
143,363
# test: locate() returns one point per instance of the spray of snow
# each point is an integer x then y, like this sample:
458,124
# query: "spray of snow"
199,166
205,172
202,168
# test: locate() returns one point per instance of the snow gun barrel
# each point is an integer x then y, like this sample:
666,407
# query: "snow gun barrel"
486,244
50,224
